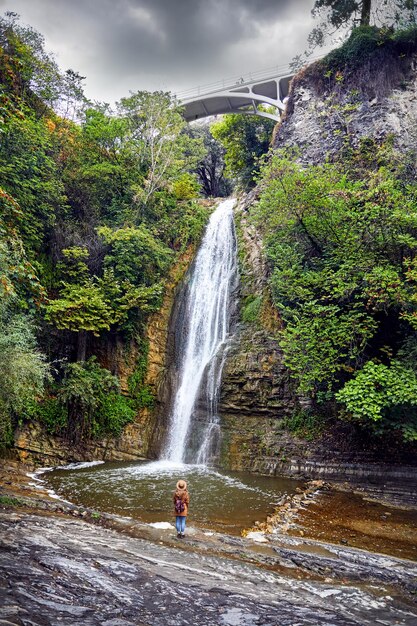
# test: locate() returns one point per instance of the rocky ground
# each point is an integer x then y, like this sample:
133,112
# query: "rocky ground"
62,565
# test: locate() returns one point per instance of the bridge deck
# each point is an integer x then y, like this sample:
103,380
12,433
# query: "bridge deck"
240,94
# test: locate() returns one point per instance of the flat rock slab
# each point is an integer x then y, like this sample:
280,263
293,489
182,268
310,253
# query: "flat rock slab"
62,571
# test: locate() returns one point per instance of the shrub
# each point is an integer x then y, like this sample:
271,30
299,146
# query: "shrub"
140,393
50,412
383,396
23,371
186,187
252,309
365,41
113,413
305,424
94,405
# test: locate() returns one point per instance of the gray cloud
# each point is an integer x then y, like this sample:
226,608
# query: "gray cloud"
122,45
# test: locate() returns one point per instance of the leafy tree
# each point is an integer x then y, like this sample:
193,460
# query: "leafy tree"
98,167
211,169
98,304
245,138
27,70
380,395
186,187
158,141
135,255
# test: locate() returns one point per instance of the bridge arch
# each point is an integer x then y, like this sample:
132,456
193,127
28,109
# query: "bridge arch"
241,95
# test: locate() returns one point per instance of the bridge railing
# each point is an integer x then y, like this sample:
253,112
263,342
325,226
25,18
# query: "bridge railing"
240,80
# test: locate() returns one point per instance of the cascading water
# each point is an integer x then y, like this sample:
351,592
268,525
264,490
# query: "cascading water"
202,344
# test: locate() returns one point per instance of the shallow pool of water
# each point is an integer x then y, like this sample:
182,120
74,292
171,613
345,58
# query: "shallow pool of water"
221,501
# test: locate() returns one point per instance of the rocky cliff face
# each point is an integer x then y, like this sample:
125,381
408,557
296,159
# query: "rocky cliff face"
326,109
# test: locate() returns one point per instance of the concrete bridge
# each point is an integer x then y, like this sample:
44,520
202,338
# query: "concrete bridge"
240,94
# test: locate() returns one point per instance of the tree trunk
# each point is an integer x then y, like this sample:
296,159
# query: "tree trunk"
82,345
366,12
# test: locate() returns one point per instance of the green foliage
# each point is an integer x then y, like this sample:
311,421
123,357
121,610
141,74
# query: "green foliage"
27,71
19,283
341,240
49,412
91,397
81,307
245,139
251,309
28,170
74,267
190,219
383,393
135,255
23,370
157,140
306,424
114,413
9,501
29,174
364,42
321,342
139,392
98,413
186,187
23,367
95,304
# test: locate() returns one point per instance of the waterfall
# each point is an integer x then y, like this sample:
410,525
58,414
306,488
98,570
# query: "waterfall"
203,339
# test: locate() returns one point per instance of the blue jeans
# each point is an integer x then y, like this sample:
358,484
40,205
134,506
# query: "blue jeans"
180,523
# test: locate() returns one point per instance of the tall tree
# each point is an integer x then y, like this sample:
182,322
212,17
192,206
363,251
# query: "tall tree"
158,141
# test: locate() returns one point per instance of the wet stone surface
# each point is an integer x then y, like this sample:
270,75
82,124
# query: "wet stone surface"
63,571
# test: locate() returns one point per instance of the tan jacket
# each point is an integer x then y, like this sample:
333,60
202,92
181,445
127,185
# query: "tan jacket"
185,497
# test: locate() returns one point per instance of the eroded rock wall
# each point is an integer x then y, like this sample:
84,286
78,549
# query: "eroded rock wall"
256,393
327,111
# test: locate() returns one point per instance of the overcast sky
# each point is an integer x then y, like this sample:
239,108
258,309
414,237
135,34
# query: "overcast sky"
129,45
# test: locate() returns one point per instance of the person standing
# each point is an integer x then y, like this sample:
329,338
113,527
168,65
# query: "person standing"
181,502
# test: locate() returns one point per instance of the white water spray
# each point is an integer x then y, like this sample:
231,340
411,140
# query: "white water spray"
206,326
